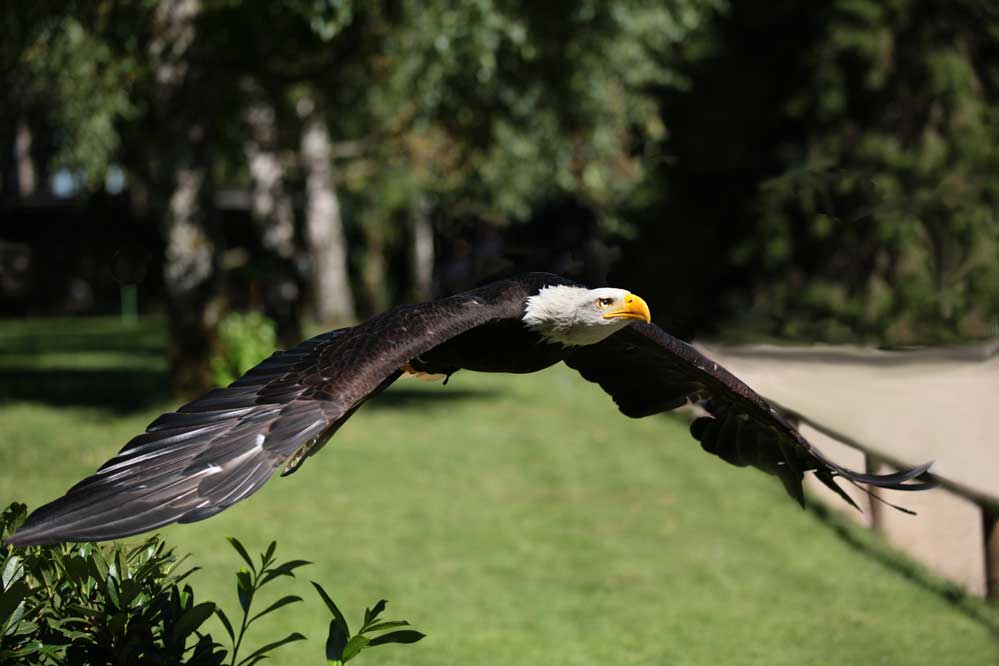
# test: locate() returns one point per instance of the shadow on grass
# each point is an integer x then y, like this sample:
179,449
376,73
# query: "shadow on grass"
129,389
86,361
119,389
864,541
406,397
141,340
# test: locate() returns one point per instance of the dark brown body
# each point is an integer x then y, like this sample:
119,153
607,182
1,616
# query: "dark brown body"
516,349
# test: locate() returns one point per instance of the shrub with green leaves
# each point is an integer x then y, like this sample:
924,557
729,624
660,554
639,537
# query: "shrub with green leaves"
99,604
117,604
245,339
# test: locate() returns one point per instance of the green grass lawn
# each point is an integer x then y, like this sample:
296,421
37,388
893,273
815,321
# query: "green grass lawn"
514,519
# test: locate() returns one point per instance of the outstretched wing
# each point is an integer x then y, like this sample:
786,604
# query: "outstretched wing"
647,371
221,448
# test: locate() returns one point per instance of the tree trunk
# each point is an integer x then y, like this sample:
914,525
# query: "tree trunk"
27,176
332,300
375,269
192,279
272,212
421,250
192,260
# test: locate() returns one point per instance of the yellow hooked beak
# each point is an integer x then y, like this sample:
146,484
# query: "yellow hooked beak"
634,308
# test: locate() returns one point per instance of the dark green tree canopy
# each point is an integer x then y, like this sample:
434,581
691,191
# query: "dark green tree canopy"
821,170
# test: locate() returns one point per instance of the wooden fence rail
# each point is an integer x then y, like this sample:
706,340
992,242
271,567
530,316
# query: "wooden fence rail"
881,410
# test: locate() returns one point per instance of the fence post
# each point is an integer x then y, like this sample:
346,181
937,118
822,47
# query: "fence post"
990,519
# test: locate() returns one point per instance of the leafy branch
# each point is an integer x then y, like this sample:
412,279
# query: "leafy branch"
249,581
341,646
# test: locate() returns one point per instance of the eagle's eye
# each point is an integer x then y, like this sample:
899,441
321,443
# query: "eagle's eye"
604,302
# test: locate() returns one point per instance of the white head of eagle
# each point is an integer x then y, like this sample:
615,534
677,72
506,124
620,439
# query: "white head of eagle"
576,316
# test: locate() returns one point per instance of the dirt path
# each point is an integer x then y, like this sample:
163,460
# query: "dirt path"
909,407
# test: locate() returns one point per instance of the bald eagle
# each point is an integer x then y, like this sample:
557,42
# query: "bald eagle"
219,449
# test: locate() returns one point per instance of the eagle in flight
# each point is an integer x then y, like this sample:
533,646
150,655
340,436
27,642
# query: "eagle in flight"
221,448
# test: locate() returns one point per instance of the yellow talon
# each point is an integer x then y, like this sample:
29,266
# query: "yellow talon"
408,371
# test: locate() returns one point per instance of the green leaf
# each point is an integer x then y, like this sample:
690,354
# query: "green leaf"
244,589
112,590
100,566
285,569
130,589
265,559
382,626
186,597
353,647
31,648
336,641
405,636
97,569
12,571
120,570
226,623
76,568
10,599
371,614
84,610
271,646
191,620
179,578
242,552
283,601
19,627
13,516
337,615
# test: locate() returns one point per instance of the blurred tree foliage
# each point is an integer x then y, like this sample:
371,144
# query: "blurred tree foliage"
859,166
506,102
490,104
885,218
820,169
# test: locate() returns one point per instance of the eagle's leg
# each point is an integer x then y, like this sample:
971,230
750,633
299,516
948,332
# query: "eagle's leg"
306,450
410,371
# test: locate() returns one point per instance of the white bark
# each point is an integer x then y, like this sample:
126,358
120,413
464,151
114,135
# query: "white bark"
191,267
272,212
192,279
175,33
189,250
421,250
27,177
270,204
330,282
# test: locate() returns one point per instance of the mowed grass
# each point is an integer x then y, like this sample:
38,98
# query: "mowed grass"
522,519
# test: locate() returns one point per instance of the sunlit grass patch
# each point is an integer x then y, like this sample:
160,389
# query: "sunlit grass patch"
522,518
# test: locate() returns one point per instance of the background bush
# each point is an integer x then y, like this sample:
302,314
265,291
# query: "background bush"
245,339
99,604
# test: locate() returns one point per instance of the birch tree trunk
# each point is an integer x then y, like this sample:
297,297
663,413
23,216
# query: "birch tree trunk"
27,176
192,261
271,208
421,250
192,279
329,281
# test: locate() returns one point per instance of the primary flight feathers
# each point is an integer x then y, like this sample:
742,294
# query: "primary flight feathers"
222,447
